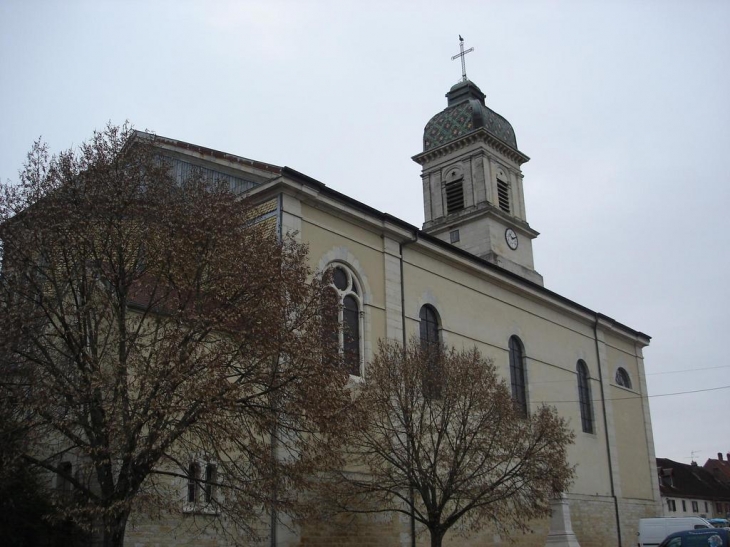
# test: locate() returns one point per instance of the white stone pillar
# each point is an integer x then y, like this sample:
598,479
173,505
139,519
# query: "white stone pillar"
561,530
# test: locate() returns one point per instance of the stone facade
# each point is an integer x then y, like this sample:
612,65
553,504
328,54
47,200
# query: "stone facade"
485,292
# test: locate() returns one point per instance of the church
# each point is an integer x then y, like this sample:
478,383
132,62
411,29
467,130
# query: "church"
470,270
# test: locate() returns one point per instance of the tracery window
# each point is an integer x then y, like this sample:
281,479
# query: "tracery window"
623,378
584,396
349,334
431,343
517,373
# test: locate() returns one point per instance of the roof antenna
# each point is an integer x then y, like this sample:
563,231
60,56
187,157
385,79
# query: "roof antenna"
462,54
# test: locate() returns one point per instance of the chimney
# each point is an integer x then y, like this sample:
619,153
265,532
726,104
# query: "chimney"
719,456
728,456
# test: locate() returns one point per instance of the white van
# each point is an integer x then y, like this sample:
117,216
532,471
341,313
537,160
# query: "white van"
653,531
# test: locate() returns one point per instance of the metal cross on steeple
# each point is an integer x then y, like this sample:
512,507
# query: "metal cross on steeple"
462,54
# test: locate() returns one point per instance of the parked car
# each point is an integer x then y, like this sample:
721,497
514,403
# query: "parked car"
719,523
712,537
653,530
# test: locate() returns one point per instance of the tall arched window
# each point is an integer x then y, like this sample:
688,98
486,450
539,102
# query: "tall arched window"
584,396
349,299
623,378
431,344
429,326
517,373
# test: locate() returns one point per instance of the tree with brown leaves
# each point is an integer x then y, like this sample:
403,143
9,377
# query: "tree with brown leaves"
166,350
442,441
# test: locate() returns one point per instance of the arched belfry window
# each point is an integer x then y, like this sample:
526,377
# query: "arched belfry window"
518,377
429,325
454,189
503,192
349,309
623,378
584,397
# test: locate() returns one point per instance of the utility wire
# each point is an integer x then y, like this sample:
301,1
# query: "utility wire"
686,370
572,379
638,396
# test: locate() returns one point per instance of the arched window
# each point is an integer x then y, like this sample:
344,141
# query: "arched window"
623,378
517,373
454,189
584,396
431,344
349,299
429,326
503,193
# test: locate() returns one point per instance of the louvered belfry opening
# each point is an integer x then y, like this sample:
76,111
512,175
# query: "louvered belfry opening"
503,195
454,196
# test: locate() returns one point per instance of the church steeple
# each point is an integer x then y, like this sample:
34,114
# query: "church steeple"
472,182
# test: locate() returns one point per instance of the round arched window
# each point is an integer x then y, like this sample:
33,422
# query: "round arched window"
623,378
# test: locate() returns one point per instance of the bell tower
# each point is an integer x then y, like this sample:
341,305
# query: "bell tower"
472,182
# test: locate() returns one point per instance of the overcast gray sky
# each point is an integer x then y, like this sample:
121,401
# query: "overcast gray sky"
624,108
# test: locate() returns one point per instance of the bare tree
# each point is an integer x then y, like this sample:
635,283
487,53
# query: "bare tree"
157,328
442,441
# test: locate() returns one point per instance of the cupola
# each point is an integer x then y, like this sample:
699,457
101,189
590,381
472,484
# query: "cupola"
472,182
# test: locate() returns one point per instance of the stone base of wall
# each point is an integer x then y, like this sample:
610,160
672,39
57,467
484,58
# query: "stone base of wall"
593,519
376,530
187,530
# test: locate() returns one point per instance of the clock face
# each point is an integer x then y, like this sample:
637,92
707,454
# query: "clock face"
511,237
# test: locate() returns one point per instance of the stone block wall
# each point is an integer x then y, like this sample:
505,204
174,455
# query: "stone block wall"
593,519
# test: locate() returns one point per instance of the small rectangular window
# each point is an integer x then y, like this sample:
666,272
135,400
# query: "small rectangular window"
209,486
454,236
193,478
671,506
63,477
695,507
707,509
684,506
454,196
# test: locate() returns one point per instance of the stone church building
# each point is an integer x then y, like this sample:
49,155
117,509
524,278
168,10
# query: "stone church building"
470,269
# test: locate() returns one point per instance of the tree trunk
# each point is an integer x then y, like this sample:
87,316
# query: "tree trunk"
437,537
114,530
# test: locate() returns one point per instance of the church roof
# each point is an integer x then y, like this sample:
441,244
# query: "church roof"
466,112
276,173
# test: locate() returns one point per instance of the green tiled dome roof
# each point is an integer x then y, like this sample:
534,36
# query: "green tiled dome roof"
465,113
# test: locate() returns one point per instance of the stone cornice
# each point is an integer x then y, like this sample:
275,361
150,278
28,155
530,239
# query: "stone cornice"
318,195
478,135
488,209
